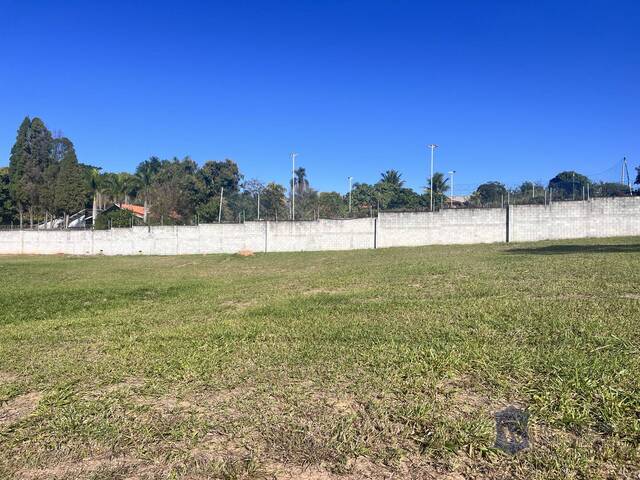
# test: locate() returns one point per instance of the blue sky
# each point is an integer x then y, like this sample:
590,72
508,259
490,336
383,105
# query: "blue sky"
510,90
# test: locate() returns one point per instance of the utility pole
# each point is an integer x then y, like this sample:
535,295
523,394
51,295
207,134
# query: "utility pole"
626,167
220,207
293,185
432,146
350,188
451,174
258,205
533,190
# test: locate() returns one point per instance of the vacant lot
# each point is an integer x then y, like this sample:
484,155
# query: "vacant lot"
369,364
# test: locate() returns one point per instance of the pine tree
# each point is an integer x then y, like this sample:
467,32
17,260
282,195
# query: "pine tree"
71,188
17,164
7,207
31,155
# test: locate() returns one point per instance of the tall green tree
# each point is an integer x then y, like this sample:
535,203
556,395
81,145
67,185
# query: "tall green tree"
39,160
217,175
176,190
392,178
440,188
568,185
332,204
273,200
490,194
71,187
364,197
253,190
145,173
31,155
7,206
17,166
94,182
301,180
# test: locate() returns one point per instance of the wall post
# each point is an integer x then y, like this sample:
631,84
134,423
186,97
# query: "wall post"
375,233
266,235
508,224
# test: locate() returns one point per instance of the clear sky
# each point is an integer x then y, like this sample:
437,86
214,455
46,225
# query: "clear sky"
510,90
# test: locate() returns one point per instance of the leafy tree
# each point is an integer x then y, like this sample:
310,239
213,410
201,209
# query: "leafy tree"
253,186
252,190
307,204
217,175
365,197
273,200
332,204
390,193
489,193
176,189
609,189
568,184
528,192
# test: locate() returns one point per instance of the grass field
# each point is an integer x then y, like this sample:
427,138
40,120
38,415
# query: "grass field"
365,364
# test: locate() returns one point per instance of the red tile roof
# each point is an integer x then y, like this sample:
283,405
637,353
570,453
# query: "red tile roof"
137,210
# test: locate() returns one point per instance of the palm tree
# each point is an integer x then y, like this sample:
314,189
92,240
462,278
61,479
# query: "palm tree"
130,184
440,184
301,179
392,178
114,186
94,185
145,173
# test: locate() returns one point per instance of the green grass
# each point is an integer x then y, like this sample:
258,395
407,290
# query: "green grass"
362,364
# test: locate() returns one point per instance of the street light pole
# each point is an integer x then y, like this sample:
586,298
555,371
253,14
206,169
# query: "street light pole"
350,188
451,174
432,146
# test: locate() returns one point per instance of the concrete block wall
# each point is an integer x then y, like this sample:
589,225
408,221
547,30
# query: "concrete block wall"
321,235
593,218
601,217
486,225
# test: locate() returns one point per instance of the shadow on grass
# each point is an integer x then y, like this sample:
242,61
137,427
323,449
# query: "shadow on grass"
564,249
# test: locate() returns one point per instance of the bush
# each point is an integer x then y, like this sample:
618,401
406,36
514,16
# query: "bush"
117,218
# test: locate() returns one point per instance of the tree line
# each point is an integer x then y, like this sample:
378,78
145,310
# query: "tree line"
44,180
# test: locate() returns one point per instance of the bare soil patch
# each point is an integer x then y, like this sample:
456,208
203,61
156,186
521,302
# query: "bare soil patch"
19,407
6,377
